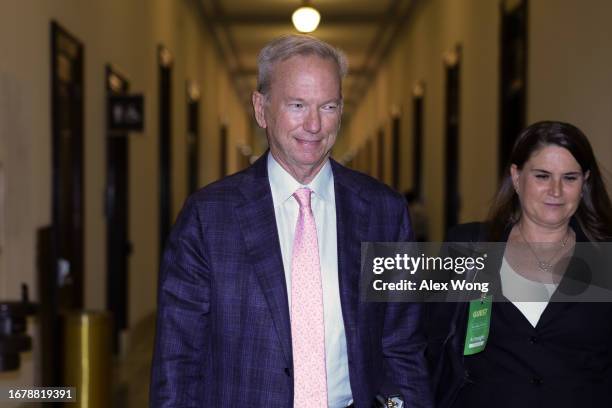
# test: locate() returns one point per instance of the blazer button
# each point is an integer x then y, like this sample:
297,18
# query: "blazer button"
536,381
288,371
533,339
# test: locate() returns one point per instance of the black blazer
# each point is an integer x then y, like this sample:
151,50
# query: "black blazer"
565,361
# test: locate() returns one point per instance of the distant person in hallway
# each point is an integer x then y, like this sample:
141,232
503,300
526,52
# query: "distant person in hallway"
258,301
541,351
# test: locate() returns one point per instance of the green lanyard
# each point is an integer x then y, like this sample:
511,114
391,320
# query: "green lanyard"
478,324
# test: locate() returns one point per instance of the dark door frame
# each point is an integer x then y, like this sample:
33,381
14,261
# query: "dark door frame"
368,157
452,135
223,150
418,96
513,77
165,63
381,154
67,177
118,246
193,136
396,146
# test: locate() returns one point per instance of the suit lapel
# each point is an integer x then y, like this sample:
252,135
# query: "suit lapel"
576,277
351,226
258,224
573,281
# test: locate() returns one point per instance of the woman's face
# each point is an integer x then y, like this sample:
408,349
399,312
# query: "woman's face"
549,186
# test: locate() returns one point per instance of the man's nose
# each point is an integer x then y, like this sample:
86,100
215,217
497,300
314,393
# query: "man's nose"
312,121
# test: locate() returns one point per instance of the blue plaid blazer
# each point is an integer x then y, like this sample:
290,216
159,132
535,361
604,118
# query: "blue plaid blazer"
223,331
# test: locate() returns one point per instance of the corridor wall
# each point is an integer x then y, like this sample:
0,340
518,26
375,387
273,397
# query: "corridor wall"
568,80
125,34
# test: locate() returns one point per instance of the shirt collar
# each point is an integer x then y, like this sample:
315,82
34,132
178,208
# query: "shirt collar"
283,185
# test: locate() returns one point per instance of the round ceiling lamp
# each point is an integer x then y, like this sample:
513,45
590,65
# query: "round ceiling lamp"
306,19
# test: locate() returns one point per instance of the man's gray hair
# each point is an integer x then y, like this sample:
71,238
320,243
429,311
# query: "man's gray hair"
289,46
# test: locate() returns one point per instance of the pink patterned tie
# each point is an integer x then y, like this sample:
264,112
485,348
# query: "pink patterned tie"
307,325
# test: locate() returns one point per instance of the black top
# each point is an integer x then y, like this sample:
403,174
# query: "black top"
565,361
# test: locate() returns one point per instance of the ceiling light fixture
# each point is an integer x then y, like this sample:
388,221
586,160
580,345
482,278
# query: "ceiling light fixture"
306,19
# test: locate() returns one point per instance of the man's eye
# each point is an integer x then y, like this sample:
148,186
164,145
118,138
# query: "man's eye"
296,105
330,107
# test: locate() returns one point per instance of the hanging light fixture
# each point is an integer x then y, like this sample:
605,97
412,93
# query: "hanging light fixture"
306,18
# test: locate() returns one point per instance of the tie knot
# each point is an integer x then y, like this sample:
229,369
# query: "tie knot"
302,195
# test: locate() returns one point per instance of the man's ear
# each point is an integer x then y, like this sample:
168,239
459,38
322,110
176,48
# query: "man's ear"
259,102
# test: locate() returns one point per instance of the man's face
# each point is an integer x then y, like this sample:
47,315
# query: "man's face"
301,113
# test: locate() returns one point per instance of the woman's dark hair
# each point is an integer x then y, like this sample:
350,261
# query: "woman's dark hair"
594,213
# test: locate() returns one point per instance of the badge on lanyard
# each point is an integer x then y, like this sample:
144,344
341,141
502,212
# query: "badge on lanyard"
478,324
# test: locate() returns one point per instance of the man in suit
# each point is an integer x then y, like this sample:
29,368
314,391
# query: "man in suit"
259,288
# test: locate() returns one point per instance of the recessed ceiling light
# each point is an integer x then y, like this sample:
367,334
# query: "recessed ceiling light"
306,19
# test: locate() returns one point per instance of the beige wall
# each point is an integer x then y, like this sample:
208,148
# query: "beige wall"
570,76
125,34
568,79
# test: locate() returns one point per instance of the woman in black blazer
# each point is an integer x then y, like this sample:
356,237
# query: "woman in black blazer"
544,353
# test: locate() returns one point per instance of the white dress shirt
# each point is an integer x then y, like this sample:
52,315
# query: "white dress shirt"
323,203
